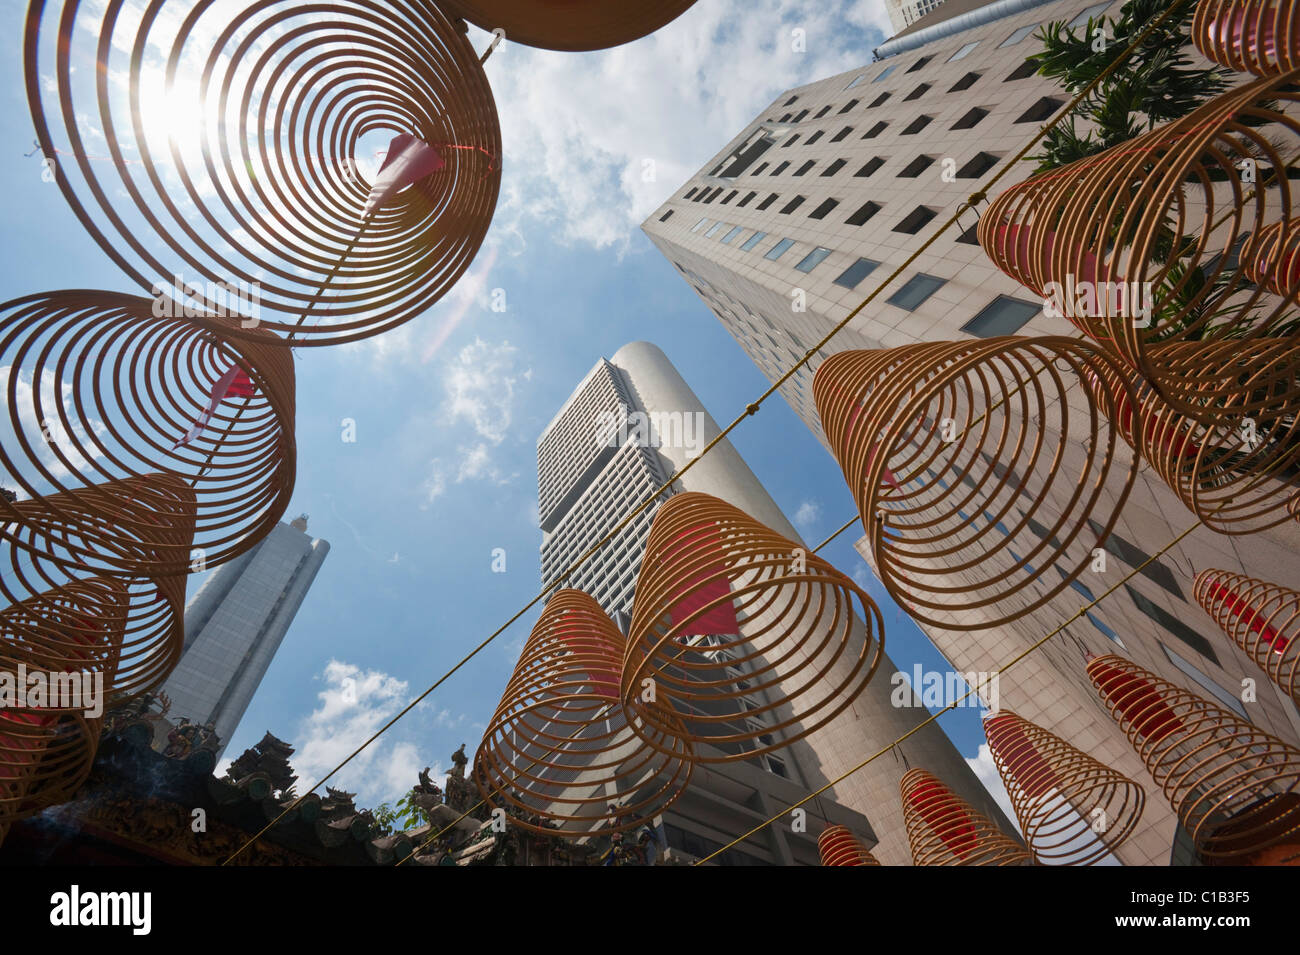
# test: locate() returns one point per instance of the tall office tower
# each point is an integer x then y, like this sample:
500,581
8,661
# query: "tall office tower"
834,186
235,624
590,475
904,13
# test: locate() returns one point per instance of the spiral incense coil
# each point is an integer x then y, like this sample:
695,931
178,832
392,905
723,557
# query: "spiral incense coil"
136,526
1276,263
1233,786
1261,618
839,846
972,475
1241,474
1243,35
750,638
1072,809
232,166
1132,245
78,627
570,25
559,750
45,756
943,829
120,392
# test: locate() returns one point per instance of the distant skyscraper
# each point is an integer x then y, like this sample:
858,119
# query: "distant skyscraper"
903,13
235,623
590,476
835,185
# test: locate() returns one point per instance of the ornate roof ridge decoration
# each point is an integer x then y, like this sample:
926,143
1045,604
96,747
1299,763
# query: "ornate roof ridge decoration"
1260,617
955,455
1072,809
837,845
150,394
1243,34
574,25
1241,475
751,639
559,747
242,221
943,829
1135,246
1235,788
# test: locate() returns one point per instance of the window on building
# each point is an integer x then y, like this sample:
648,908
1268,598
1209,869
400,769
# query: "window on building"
746,201
1042,110
1018,35
715,230
815,136
792,205
1023,71
848,106
699,225
731,195
791,101
834,167
767,202
915,220
1203,680
1078,587
1088,14
917,166
713,195
972,118
726,239
879,100
852,276
977,166
919,64
823,210
918,288
965,83
885,72
666,216
799,116
869,167
689,193
964,51
779,249
785,118
868,210
970,236
812,259
917,93
790,142
752,241
760,168
1002,316
780,168
917,125
805,167
1173,625
875,130
856,80
842,134
822,112
1136,558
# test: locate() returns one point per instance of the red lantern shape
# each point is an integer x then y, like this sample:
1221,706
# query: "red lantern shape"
839,846
1261,618
1249,36
944,829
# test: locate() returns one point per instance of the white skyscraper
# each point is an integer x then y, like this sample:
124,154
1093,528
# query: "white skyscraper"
235,624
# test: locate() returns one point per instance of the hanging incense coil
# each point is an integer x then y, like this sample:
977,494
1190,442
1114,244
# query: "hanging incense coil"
1261,618
1276,263
1072,809
839,846
1241,474
752,641
1243,35
1157,239
943,829
559,751
120,390
571,25
1235,788
64,642
233,172
973,476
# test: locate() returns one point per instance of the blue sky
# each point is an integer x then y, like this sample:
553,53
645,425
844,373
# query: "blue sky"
448,408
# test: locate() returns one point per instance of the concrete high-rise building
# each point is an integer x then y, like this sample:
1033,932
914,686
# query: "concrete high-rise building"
236,622
590,476
836,184
904,13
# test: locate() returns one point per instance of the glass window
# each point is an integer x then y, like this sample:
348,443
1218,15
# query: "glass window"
1218,692
779,249
1002,316
1019,35
715,230
965,83
813,259
752,241
823,210
1136,557
856,80
1173,625
1088,14
964,51
666,216
918,288
864,213
834,167
885,72
855,273
726,239
700,224
792,205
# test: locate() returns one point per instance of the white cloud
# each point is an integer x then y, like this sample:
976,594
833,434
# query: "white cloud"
807,516
987,771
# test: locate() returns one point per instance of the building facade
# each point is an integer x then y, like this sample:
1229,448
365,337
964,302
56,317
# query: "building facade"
631,423
903,13
236,622
834,186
